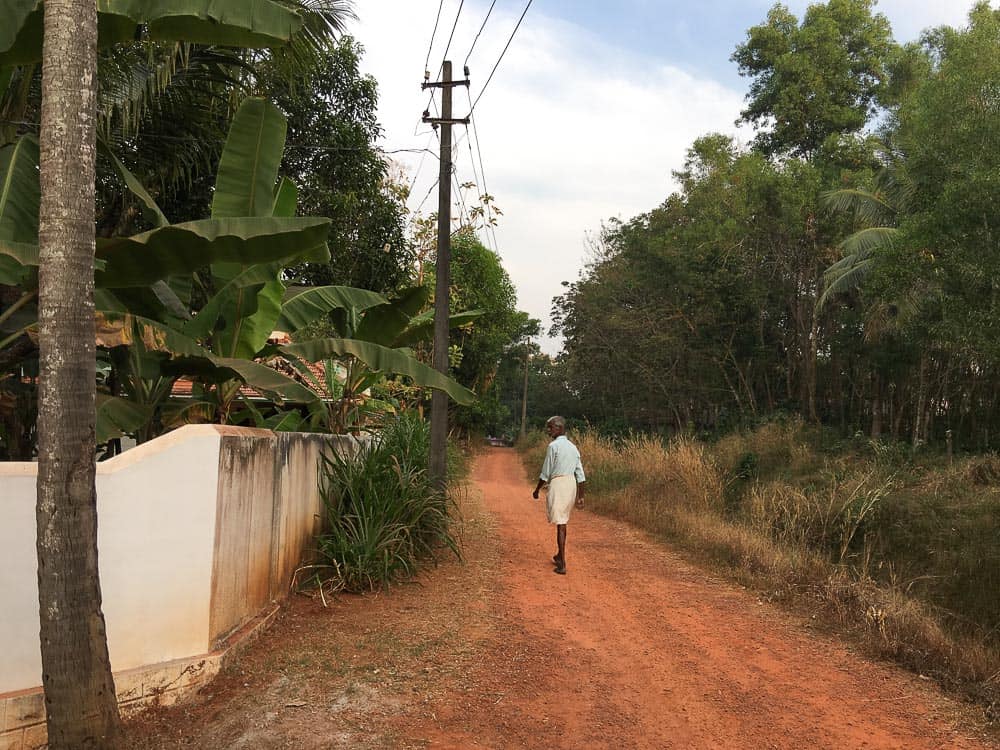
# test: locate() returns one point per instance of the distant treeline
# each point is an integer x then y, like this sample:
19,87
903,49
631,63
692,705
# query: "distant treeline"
844,266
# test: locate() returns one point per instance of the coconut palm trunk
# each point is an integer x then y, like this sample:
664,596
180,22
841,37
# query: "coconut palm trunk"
76,673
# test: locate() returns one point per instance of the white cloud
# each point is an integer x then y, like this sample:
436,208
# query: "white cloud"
573,131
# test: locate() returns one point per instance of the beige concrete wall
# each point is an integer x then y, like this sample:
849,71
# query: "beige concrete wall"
241,574
269,511
20,663
156,508
198,533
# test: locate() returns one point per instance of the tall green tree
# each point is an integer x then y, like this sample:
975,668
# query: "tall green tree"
815,79
480,282
949,133
333,158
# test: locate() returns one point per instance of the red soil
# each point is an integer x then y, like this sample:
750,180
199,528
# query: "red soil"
634,648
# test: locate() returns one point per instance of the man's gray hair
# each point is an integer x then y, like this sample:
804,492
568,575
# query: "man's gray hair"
557,421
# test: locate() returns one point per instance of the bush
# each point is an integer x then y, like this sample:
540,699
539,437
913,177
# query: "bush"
384,515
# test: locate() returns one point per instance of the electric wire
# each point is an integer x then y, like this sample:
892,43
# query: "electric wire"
475,177
482,171
480,188
289,145
452,35
499,59
433,34
447,47
464,215
423,156
428,195
479,32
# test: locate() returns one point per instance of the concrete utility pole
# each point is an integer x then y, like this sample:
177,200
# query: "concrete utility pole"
438,462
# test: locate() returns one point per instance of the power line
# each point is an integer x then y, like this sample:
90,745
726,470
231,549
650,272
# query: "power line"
429,191
475,176
289,145
426,151
444,57
433,34
482,171
463,216
463,212
490,78
479,32
452,36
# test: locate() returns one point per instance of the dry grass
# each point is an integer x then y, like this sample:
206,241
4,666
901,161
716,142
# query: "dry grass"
812,544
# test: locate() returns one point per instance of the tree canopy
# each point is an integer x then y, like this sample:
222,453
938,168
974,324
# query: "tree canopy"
843,267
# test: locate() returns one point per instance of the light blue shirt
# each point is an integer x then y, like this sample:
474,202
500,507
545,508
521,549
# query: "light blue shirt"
562,459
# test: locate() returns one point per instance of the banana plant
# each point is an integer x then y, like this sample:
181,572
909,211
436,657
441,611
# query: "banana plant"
134,273
236,23
150,335
221,345
373,343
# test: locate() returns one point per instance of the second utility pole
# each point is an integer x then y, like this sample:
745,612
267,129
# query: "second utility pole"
438,461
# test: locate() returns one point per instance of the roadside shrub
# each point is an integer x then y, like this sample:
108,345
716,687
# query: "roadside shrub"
384,515
985,470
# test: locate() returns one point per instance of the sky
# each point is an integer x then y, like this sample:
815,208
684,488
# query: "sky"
589,112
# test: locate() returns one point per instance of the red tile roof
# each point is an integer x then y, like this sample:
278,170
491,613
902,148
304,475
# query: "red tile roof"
184,387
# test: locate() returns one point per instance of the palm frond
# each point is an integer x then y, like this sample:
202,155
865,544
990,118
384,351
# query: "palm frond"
870,240
868,207
845,275
323,22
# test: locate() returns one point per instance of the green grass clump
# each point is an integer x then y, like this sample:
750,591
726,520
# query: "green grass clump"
384,515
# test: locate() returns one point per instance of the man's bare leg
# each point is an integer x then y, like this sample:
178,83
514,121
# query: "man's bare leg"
560,556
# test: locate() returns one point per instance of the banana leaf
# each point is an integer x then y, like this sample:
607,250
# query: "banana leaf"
22,253
170,301
17,262
20,193
252,280
145,258
267,380
232,23
12,273
422,328
312,304
249,320
383,359
26,46
117,416
286,198
383,324
117,329
126,330
249,165
235,23
14,13
5,75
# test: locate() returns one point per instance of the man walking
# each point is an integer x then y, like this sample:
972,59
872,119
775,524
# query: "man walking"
563,472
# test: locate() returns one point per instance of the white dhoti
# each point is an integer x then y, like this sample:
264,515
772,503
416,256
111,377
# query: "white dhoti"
560,498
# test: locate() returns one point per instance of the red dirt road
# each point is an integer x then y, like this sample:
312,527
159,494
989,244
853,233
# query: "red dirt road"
634,648
652,652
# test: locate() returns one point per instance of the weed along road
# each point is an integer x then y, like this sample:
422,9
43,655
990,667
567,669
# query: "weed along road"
633,648
636,648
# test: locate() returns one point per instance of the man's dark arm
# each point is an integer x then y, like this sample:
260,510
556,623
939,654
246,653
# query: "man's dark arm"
580,489
541,483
